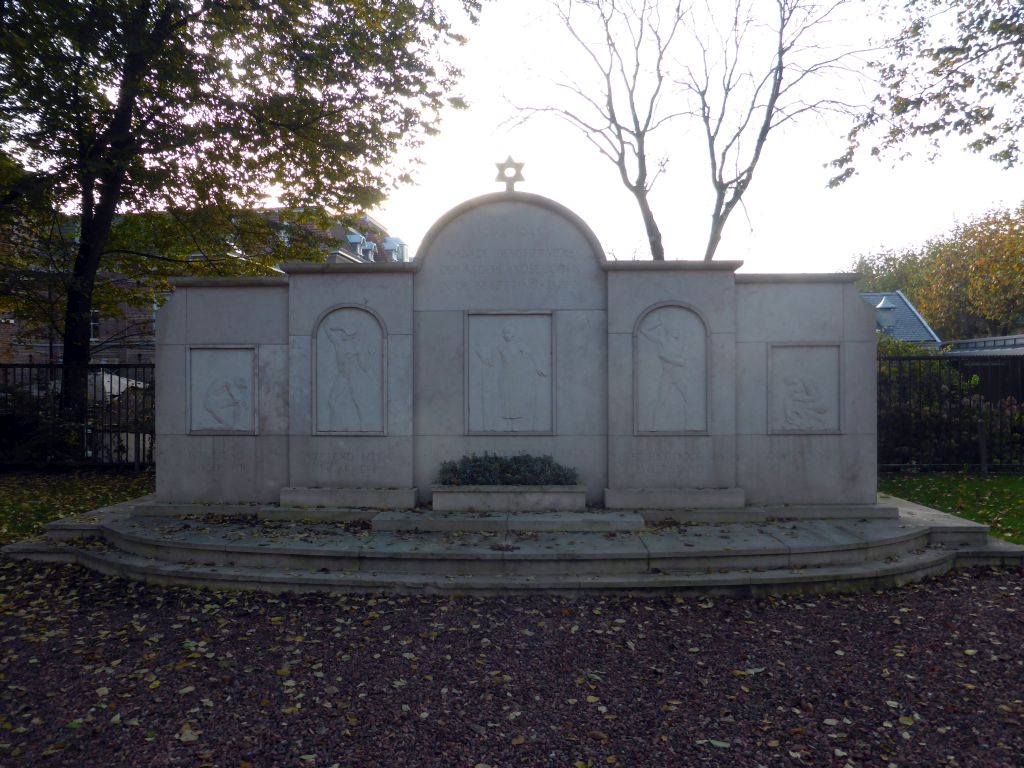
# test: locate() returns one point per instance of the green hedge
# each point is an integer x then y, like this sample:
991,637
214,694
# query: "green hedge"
506,470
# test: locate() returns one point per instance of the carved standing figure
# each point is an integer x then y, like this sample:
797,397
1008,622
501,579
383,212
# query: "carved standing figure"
518,374
672,383
346,396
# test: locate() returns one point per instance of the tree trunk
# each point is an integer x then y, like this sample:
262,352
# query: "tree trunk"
97,216
717,225
653,233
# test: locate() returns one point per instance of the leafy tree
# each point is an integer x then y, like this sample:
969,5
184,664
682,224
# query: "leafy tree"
889,271
197,108
954,69
967,283
974,277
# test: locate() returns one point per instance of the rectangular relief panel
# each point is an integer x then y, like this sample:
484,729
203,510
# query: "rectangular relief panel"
803,387
222,390
510,373
671,372
350,377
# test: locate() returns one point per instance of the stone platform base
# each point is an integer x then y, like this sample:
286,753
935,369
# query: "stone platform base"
509,498
519,553
673,498
369,498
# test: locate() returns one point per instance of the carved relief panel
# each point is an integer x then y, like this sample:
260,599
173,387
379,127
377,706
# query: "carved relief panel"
510,373
349,367
222,390
804,389
671,370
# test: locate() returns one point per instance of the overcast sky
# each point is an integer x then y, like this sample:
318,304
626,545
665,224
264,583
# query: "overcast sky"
791,221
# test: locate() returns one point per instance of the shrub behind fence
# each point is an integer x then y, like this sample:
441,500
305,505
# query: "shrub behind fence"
118,428
951,412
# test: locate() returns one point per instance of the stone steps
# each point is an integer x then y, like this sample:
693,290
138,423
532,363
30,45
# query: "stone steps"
419,550
896,571
695,548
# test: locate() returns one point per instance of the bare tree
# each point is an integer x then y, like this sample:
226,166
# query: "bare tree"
739,74
629,50
740,95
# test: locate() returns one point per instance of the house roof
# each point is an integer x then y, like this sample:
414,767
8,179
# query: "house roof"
909,325
988,345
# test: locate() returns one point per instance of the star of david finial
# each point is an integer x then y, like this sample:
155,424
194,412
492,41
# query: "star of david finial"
510,172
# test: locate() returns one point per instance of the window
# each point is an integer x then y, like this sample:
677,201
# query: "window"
94,325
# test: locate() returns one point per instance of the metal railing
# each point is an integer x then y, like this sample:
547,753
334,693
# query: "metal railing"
118,427
962,412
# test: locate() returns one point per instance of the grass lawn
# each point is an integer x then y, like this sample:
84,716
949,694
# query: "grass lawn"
30,499
996,500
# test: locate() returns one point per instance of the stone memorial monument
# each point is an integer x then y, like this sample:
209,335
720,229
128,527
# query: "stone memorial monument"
667,385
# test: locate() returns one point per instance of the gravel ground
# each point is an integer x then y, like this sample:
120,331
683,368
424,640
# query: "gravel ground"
106,672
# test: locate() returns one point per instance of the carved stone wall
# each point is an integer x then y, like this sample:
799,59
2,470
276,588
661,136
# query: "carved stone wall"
511,333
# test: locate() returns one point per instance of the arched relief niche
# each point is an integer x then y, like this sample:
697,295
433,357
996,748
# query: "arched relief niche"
349,367
671,371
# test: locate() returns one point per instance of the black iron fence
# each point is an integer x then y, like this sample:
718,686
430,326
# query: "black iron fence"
117,428
951,412
948,412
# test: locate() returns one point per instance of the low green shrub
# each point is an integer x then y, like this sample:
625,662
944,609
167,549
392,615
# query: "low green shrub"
506,470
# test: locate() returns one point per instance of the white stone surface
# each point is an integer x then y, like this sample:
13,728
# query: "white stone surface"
272,381
712,294
350,461
722,395
237,315
807,469
752,388
582,366
300,385
620,384
221,468
222,389
401,381
860,401
387,294
440,377
671,461
170,324
858,316
171,390
673,498
497,498
365,498
510,252
789,312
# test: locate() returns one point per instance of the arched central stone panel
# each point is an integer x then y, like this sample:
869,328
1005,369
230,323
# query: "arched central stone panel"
511,338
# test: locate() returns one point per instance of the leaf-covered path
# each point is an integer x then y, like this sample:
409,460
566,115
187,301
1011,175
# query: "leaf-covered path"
105,672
